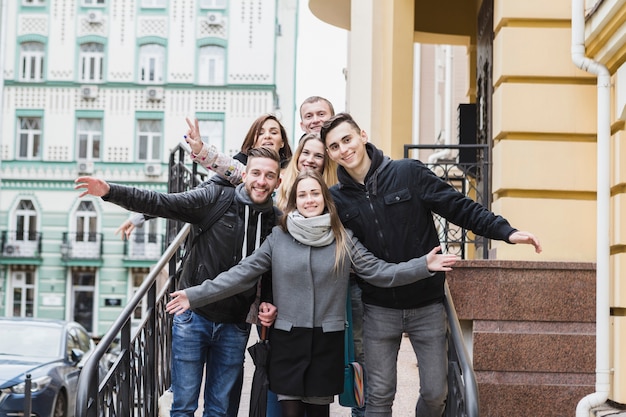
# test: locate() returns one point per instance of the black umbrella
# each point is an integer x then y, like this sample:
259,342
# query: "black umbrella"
260,353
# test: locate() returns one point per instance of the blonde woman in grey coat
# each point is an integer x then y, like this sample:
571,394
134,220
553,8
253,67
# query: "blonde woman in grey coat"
310,255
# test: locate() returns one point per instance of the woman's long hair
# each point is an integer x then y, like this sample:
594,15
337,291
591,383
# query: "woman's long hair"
253,133
329,171
342,251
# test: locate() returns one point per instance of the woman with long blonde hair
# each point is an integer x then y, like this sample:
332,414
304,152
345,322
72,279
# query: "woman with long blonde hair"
310,154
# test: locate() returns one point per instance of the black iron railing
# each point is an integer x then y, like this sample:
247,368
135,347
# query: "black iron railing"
463,398
466,168
468,174
20,244
139,358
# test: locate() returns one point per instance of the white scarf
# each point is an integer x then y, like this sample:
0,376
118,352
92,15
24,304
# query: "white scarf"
312,231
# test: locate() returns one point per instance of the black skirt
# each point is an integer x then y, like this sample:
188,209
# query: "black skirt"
306,362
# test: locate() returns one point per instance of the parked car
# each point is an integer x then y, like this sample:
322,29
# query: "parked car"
52,353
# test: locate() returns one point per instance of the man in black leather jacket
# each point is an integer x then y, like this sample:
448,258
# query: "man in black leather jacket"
389,206
213,337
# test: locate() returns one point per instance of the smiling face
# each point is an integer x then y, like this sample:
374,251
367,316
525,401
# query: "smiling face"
261,178
309,198
312,156
269,136
346,146
313,115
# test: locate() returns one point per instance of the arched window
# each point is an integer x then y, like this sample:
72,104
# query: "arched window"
31,61
211,62
91,62
26,221
29,138
86,222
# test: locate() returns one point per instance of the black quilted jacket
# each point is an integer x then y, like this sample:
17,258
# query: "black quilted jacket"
392,216
217,249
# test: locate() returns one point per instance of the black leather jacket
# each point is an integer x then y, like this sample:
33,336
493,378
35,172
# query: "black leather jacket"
392,216
217,249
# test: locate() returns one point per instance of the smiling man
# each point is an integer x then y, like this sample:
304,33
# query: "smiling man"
211,337
389,206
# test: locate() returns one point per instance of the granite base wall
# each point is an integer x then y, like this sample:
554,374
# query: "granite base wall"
533,333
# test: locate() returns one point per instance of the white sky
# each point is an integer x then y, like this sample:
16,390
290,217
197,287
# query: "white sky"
321,58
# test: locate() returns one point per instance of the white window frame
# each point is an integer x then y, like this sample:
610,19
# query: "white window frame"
32,56
213,4
86,222
151,63
29,138
26,221
89,138
31,3
19,280
149,140
93,3
91,62
155,4
212,132
211,63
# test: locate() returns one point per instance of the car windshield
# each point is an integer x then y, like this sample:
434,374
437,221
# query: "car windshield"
30,339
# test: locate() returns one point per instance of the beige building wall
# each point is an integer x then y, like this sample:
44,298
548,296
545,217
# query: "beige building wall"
544,123
544,116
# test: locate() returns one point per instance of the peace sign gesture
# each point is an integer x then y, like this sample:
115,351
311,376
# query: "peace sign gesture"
193,137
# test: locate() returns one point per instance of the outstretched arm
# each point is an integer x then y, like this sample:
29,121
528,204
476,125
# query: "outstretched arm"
525,238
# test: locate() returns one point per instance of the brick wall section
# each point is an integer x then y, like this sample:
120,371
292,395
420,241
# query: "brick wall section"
533,331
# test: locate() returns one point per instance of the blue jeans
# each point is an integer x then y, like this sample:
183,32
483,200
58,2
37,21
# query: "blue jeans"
220,349
382,334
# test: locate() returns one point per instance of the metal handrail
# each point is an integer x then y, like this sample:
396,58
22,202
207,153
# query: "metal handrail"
115,392
139,359
463,400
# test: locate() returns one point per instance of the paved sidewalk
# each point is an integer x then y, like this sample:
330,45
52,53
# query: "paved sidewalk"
406,397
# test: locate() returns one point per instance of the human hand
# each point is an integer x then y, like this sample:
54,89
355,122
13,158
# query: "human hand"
178,304
267,314
527,238
92,185
125,229
440,262
193,137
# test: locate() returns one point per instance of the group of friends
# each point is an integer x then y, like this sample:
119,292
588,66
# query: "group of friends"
303,232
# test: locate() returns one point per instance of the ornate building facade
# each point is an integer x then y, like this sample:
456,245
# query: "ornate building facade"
101,87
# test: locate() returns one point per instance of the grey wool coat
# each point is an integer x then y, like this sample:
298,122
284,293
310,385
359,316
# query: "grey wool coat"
307,291
307,340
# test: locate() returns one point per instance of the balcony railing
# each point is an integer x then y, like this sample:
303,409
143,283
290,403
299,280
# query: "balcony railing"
144,246
20,244
81,246
468,174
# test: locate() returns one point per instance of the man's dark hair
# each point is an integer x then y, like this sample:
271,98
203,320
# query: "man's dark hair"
263,153
335,121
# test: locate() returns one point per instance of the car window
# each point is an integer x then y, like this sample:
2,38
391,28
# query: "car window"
26,339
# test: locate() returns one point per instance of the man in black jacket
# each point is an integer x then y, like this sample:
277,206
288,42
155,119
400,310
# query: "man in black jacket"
212,337
389,206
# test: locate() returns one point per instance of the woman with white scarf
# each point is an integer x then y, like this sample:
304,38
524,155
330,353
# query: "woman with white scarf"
310,255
